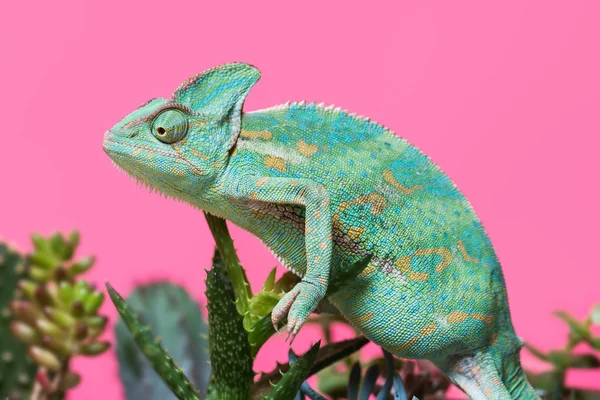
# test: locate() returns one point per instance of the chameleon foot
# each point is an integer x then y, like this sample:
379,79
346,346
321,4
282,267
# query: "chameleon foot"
297,304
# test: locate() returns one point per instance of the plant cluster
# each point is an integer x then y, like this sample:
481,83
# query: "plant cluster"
52,313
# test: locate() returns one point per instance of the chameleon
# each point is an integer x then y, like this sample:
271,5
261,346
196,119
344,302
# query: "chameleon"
322,188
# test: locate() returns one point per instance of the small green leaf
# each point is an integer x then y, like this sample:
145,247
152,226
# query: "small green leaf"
66,292
94,348
579,330
72,243
24,332
81,266
70,381
595,315
290,382
92,302
44,358
261,331
59,245
269,282
62,318
158,357
43,260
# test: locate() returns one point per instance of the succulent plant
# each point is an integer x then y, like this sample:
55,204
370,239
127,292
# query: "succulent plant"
17,370
177,320
56,314
552,383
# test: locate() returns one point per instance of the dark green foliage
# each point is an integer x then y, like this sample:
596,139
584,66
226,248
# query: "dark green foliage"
162,363
552,383
327,356
235,272
355,386
230,351
17,370
176,319
292,380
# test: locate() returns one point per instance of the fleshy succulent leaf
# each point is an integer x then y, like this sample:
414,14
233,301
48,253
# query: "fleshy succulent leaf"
290,383
160,360
231,357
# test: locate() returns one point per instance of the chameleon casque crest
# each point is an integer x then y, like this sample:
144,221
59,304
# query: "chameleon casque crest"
321,187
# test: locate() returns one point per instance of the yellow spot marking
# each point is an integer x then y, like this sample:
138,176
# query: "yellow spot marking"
443,252
355,232
294,183
336,223
264,135
405,345
196,153
389,177
323,246
317,259
488,319
322,281
253,195
427,330
367,271
276,163
403,263
463,251
177,172
488,393
418,276
234,152
378,206
261,182
457,316
317,214
306,149
258,214
366,317
494,339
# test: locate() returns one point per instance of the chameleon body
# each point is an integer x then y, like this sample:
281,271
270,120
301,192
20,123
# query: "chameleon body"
321,187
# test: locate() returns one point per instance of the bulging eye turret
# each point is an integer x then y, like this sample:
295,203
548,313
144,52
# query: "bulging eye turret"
170,126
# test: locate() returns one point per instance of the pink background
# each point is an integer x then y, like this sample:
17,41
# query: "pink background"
503,95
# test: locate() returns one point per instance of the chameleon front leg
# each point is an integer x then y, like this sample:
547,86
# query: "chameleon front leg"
298,303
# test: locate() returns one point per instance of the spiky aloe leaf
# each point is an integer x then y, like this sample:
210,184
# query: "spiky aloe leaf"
17,370
231,357
176,319
260,333
235,272
290,383
327,355
160,360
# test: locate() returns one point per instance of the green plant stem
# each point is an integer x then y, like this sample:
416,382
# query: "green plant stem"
219,230
40,393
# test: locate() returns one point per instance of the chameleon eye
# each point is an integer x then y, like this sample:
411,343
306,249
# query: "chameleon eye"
170,126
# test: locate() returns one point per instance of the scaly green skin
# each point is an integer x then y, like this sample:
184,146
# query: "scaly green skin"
321,187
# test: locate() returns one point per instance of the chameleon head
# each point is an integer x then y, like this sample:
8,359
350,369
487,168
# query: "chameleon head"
183,143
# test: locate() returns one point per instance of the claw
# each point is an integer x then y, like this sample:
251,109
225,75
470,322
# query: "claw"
282,308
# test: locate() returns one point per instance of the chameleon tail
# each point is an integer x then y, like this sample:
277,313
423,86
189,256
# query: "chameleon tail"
478,376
